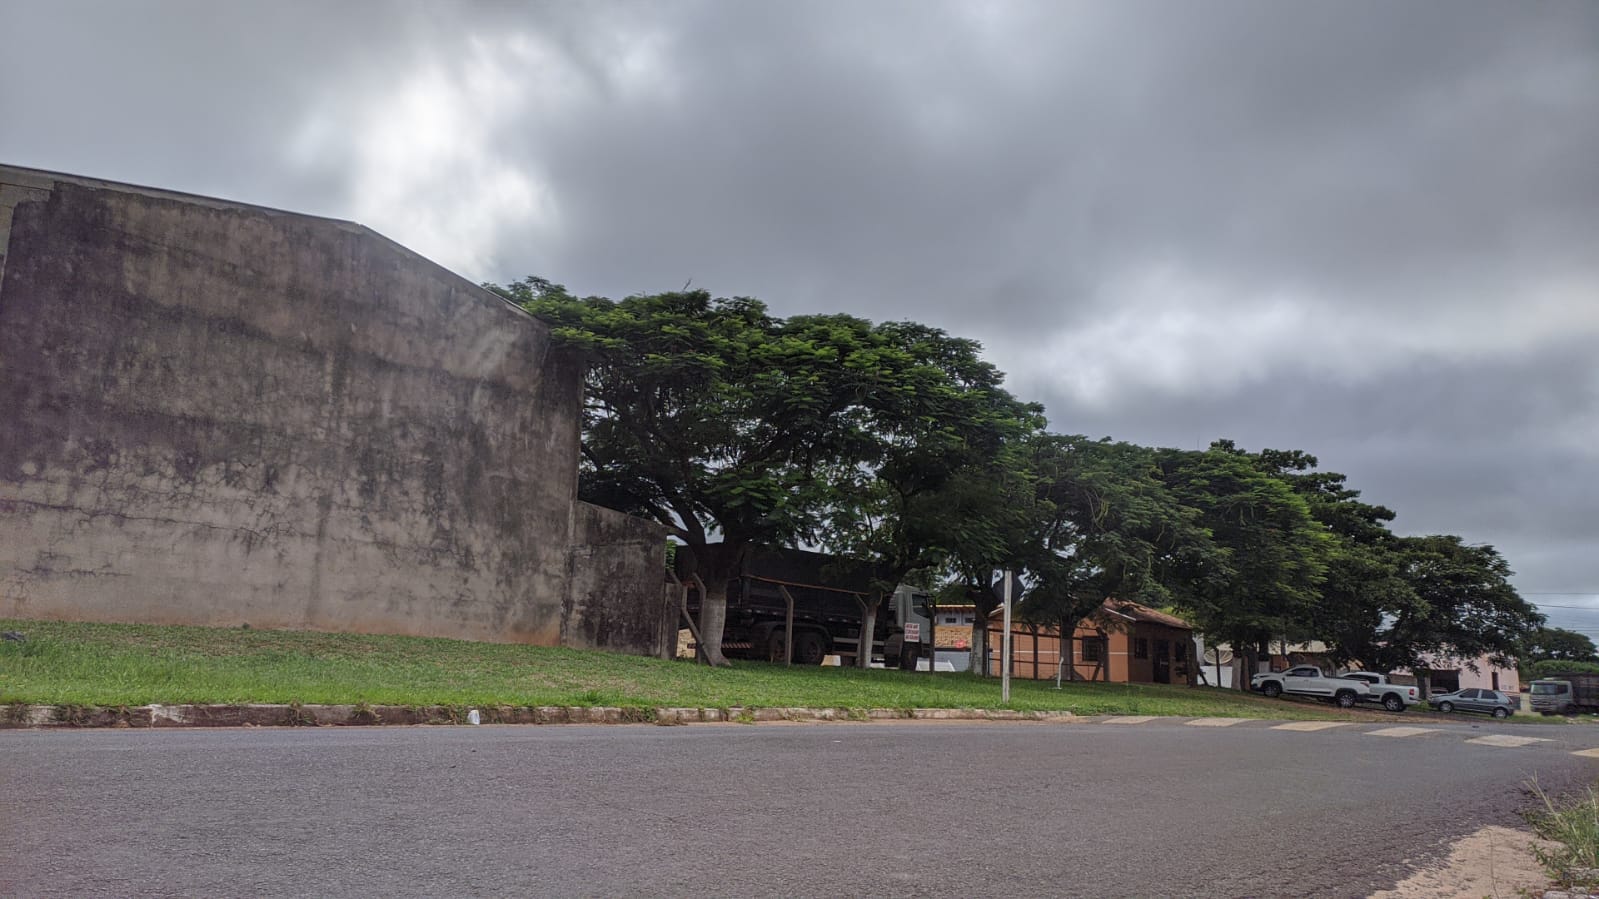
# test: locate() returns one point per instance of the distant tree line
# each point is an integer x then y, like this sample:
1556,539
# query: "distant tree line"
896,443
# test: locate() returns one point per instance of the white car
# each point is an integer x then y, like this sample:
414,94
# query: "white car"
1394,697
1307,680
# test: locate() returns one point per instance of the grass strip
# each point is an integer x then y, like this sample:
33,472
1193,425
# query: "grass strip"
69,663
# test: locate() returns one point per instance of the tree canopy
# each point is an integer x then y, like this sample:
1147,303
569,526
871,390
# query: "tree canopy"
897,444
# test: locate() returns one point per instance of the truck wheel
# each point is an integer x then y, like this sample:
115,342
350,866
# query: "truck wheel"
1446,707
1346,699
1393,703
1271,689
808,648
1501,712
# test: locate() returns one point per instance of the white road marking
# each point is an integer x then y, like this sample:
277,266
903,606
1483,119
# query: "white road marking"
1310,725
1587,753
1214,722
1506,740
1130,719
1401,731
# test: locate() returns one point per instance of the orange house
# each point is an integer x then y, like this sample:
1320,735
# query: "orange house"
1123,642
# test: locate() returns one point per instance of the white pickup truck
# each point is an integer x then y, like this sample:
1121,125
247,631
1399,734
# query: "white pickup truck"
1307,680
1394,697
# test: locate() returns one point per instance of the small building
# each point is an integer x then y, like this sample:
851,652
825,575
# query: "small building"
1123,642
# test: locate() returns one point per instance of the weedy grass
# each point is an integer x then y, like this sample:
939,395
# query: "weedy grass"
1573,827
85,665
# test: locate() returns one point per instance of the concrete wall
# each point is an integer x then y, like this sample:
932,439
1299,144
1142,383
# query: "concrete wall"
219,414
617,568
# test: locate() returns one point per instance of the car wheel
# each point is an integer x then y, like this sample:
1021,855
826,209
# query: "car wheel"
1393,703
1501,712
1272,690
1346,700
1446,707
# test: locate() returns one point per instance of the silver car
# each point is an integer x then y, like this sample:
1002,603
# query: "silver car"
1491,702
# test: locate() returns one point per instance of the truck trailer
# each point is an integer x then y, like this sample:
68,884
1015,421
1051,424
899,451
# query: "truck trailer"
829,595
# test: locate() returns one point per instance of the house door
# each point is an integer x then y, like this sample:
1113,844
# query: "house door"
1162,661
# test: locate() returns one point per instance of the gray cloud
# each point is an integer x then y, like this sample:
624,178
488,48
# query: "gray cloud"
1364,229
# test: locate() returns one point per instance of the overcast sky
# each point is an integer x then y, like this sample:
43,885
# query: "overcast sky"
1369,230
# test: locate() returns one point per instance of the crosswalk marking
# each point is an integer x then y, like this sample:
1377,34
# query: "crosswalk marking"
1506,740
1400,731
1131,719
1310,725
1214,722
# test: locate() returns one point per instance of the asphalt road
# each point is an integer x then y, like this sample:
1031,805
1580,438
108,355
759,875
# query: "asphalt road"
1157,808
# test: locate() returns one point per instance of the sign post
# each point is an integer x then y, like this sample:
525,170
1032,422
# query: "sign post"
1004,661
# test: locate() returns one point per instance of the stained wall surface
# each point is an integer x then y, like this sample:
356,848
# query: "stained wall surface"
219,414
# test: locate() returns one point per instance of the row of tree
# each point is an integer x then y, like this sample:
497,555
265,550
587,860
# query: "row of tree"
896,443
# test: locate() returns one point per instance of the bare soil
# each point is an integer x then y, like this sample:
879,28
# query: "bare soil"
1494,862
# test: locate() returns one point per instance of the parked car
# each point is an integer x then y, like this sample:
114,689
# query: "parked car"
1491,702
1393,697
1307,680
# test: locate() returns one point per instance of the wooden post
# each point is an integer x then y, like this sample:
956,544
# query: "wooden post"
863,646
693,629
788,626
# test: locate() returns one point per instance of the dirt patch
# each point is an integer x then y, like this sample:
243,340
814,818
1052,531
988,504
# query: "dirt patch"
1493,862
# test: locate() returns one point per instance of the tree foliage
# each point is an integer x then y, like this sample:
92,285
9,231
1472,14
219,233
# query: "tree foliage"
897,444
1559,644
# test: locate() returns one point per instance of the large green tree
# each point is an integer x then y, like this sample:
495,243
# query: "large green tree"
713,417
1103,525
1466,606
1262,582
1362,589
937,428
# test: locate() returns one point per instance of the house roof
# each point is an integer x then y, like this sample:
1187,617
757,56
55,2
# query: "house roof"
1137,612
1127,610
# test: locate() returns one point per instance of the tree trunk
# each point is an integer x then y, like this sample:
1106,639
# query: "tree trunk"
715,564
1068,657
980,646
713,619
863,655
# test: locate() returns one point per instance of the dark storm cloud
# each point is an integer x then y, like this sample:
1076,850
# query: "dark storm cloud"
1364,229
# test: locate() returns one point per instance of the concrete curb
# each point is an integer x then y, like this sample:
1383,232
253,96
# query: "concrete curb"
295,715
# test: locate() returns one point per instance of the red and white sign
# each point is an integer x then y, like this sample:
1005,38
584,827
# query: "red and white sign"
913,632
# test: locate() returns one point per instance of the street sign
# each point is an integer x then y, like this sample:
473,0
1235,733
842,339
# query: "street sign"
913,632
1015,587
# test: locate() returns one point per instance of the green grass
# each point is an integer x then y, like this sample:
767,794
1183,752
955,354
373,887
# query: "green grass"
1573,826
126,665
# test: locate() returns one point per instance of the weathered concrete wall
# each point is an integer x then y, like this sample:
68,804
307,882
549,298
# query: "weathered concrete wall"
219,414
618,569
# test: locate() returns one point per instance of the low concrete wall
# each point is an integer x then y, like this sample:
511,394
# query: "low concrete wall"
219,414
615,583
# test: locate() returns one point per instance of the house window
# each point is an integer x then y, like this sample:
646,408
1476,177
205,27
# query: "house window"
1179,651
952,619
1140,648
1091,650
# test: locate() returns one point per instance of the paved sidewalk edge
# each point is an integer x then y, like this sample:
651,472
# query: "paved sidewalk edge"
294,715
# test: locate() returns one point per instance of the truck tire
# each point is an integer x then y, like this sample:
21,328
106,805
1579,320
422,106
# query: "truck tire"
1393,703
1346,699
1446,707
1271,689
1501,712
809,647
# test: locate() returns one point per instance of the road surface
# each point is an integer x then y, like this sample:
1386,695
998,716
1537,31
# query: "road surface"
1132,807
